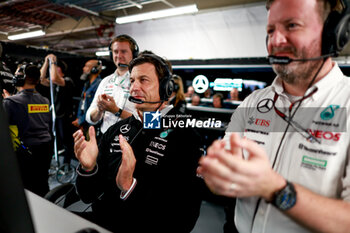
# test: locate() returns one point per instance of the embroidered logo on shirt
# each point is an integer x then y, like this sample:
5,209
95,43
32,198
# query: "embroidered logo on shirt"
125,128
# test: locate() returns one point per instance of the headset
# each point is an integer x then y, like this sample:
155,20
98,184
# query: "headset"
18,79
176,86
135,52
96,69
336,29
335,35
166,84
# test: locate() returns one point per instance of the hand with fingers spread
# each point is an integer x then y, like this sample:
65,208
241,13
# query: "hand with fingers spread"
227,173
86,151
126,170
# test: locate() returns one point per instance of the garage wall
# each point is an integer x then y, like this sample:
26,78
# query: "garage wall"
227,33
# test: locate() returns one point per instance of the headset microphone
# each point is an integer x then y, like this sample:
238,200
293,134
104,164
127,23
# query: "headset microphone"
286,60
139,101
123,65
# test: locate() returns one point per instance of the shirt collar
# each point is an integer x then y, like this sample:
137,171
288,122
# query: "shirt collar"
327,82
127,74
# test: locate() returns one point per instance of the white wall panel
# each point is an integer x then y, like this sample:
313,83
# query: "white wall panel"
226,33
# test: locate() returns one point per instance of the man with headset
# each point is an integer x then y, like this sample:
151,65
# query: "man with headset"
295,177
110,103
30,119
139,179
91,76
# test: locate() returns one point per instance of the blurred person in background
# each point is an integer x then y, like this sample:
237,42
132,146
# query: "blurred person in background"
91,76
234,95
190,91
196,100
63,100
218,100
207,94
177,98
29,120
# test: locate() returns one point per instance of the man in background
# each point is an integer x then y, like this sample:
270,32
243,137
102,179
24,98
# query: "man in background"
63,98
91,76
30,119
110,103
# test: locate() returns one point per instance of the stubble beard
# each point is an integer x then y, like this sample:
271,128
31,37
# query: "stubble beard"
299,71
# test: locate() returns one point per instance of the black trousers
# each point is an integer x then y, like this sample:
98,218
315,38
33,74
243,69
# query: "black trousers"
64,132
34,167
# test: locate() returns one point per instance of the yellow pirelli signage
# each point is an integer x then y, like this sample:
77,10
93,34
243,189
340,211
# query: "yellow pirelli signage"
38,108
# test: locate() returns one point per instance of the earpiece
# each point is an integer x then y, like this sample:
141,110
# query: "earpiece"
336,30
18,79
166,85
97,69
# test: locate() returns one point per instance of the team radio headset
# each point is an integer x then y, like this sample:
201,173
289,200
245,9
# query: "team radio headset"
335,36
166,84
20,76
135,52
166,87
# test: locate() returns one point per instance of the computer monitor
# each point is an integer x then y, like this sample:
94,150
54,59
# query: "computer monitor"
14,210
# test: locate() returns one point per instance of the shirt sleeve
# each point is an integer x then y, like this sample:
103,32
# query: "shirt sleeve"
93,104
345,195
236,124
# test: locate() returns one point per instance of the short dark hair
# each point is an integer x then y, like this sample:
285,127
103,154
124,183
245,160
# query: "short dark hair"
62,65
32,73
161,65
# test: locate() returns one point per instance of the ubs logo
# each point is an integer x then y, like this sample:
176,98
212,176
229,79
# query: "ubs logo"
265,105
259,122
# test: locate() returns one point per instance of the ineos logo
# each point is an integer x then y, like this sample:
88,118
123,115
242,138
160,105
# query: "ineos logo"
265,105
125,128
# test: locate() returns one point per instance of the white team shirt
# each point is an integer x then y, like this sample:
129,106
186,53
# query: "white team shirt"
323,168
117,87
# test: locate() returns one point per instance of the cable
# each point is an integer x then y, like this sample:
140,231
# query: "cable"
285,133
293,114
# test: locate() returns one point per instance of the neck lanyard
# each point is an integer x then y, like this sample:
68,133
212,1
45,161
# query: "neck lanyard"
289,119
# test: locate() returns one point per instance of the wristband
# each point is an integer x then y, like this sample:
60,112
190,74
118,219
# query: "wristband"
119,113
125,195
83,172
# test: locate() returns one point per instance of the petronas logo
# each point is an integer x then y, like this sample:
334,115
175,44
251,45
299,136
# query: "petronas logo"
328,113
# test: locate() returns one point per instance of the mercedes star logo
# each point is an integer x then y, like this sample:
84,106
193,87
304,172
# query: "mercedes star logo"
125,128
265,105
200,83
